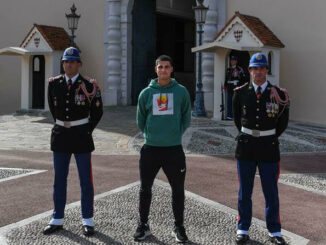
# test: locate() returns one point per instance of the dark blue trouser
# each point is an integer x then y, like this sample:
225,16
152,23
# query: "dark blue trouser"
61,170
269,173
229,103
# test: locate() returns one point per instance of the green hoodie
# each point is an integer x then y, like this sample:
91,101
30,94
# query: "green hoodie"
163,113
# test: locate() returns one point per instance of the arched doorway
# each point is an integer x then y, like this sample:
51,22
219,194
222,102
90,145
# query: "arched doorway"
38,84
176,37
143,45
158,28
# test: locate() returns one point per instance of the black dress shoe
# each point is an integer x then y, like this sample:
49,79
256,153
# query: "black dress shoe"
277,240
49,229
241,238
88,230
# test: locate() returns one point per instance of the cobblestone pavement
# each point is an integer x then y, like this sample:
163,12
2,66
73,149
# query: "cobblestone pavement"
6,172
216,138
206,222
310,182
31,131
117,134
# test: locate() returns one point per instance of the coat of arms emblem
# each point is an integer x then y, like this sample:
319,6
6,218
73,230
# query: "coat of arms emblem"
37,41
238,35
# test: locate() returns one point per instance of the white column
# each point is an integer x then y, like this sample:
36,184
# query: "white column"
219,74
221,14
24,82
112,90
210,31
126,50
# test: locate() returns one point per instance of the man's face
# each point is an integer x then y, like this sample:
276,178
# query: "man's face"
234,62
258,74
163,70
71,67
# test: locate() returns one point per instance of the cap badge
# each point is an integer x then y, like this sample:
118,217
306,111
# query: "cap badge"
70,51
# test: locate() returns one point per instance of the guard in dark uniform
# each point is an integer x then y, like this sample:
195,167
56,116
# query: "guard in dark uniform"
261,114
76,106
234,77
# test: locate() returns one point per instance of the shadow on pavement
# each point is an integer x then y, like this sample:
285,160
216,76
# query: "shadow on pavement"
83,241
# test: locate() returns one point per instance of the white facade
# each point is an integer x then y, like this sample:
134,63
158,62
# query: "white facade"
104,35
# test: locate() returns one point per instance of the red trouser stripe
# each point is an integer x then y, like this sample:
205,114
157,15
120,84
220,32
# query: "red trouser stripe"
278,176
91,173
239,187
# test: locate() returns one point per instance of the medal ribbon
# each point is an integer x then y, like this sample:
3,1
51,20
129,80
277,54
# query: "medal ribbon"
88,95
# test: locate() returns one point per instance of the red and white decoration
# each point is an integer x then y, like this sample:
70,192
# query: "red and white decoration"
238,35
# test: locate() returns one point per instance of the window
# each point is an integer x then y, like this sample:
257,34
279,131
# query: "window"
36,64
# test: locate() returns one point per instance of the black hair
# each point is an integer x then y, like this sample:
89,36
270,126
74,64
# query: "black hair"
164,58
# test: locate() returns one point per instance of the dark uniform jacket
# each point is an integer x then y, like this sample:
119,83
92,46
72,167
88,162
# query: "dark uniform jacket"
256,114
71,105
233,74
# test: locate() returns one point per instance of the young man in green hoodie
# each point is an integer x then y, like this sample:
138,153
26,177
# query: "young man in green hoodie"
163,115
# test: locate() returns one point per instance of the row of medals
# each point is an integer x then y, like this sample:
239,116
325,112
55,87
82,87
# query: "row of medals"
80,99
80,103
272,110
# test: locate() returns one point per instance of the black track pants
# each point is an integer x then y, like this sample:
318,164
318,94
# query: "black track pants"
172,160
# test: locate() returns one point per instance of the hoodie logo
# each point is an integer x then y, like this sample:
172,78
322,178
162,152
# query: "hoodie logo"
163,104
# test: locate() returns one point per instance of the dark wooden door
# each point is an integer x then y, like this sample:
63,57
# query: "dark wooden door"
38,85
143,45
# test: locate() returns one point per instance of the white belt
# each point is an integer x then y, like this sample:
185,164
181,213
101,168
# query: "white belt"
68,124
258,133
235,82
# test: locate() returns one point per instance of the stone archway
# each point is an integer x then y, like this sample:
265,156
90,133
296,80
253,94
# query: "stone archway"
159,29
119,48
144,45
